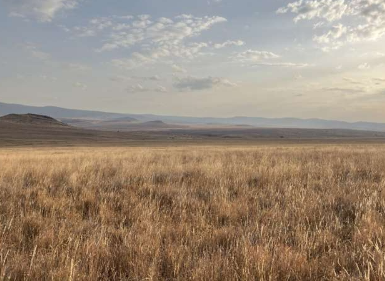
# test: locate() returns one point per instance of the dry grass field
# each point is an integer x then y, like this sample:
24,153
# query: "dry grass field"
193,213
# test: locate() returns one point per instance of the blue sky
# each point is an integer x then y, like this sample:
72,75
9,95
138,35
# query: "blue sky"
305,58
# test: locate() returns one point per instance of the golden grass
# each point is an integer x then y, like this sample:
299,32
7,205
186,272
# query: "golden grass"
262,213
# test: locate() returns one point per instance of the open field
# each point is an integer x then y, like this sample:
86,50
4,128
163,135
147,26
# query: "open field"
43,135
314,212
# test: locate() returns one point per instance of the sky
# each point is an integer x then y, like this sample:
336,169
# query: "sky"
220,58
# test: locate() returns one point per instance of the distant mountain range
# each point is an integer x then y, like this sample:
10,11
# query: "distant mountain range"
79,115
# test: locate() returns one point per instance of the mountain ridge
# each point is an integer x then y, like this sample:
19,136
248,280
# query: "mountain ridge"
311,123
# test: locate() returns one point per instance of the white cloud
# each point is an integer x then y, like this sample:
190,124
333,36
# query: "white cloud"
255,56
162,32
229,43
282,64
42,10
138,88
366,19
336,32
329,10
84,31
318,25
153,39
201,83
263,58
136,60
101,23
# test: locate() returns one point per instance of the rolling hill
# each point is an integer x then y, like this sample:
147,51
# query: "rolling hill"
40,130
32,120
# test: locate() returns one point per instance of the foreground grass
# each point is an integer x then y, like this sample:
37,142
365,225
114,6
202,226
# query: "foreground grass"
310,213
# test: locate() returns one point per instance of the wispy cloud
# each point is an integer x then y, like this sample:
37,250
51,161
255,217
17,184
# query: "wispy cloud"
229,43
139,88
345,90
255,56
154,38
42,10
364,66
80,85
35,52
178,69
282,64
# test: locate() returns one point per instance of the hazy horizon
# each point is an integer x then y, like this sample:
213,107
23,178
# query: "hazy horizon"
218,58
176,116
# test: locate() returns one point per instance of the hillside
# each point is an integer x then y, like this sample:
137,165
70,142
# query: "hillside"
32,120
32,129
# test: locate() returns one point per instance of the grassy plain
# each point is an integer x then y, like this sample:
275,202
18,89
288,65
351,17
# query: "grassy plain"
309,212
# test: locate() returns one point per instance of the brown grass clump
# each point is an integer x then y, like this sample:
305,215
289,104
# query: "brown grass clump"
193,213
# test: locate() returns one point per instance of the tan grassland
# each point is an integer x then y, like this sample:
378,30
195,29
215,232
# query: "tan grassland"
313,212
